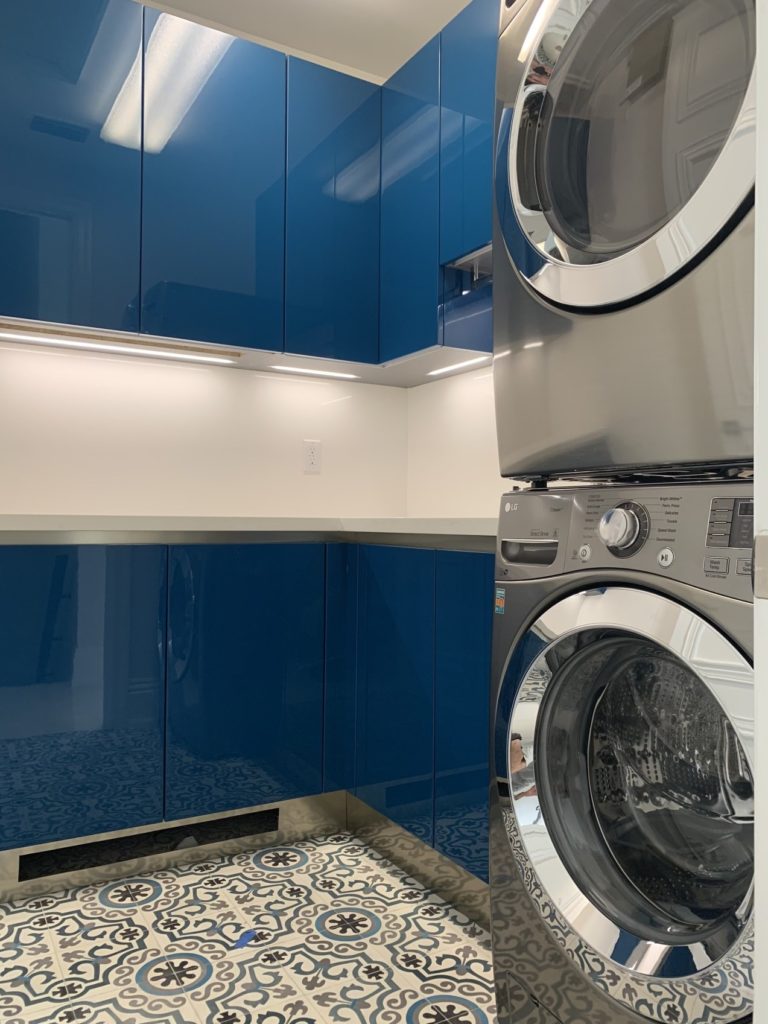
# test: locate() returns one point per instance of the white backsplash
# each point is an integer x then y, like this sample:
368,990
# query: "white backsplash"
105,435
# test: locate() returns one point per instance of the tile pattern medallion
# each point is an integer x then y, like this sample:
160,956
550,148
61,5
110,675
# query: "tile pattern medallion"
319,931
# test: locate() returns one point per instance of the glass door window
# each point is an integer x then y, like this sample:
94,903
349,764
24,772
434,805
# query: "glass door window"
629,758
627,109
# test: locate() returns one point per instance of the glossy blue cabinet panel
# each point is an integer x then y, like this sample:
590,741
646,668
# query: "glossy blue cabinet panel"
340,666
214,186
70,189
410,206
245,676
462,694
332,208
396,636
467,97
82,682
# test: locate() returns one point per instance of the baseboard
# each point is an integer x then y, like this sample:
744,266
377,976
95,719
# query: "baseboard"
443,876
297,819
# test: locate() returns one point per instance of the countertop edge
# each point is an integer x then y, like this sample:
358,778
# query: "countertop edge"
466,533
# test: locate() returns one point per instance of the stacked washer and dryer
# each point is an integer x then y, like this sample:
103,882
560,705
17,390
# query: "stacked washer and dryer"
622,802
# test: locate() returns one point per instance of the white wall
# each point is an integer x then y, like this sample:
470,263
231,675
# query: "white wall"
105,435
453,466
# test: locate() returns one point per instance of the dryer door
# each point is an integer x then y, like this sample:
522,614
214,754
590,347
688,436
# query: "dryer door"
629,750
630,145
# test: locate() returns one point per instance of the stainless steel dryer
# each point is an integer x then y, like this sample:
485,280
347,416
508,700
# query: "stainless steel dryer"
624,235
622,855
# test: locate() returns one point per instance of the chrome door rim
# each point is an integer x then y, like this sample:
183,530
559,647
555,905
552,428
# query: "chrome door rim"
589,935
663,256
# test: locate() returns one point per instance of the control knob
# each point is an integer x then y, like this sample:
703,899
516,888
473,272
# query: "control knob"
619,528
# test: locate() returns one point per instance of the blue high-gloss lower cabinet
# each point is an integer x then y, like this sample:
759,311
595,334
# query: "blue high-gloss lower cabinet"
332,214
213,238
70,171
81,690
396,681
341,598
245,676
462,683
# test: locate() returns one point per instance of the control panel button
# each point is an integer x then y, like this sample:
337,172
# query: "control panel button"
717,565
721,516
585,553
718,540
665,558
722,503
743,566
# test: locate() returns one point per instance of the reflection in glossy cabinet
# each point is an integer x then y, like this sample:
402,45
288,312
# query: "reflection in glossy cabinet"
467,91
245,676
396,632
70,185
462,694
214,186
81,690
340,666
332,206
410,207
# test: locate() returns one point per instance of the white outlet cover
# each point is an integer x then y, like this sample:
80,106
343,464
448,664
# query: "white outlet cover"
313,456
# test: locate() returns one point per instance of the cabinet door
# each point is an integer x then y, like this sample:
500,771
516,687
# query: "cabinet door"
410,206
81,690
332,204
245,676
70,183
214,186
467,91
340,666
396,635
462,694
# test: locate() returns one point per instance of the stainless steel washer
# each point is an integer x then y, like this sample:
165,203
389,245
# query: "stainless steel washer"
622,811
624,236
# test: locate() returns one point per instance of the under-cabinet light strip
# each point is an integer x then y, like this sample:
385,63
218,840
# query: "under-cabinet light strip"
46,340
459,366
316,373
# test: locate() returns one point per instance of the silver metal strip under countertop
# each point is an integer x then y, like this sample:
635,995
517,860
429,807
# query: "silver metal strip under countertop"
454,534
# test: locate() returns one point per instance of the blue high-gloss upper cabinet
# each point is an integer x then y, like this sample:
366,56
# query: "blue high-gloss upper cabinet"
410,206
70,170
245,676
214,186
332,205
82,681
467,96
462,694
396,636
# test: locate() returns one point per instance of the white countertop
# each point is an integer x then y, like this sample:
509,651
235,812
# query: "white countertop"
396,525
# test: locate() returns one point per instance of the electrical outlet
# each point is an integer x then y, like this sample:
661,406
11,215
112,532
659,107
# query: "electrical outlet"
313,456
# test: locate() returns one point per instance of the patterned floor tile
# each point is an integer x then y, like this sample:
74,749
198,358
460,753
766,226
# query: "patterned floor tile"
314,932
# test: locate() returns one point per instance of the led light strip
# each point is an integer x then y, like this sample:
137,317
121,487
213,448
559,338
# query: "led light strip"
316,373
140,349
459,366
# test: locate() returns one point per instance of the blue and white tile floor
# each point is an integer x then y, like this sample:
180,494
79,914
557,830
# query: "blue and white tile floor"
318,932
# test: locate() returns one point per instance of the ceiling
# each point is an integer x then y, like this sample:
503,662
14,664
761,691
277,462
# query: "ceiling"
367,38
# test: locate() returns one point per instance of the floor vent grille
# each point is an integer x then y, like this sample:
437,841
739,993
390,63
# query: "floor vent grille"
145,844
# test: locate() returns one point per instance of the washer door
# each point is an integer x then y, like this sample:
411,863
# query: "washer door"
631,144
629,752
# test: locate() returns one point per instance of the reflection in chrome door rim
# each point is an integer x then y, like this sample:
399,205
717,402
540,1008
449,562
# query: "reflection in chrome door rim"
720,197
589,937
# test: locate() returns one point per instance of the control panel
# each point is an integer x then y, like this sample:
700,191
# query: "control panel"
699,534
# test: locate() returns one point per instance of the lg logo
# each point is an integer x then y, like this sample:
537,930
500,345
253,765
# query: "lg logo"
509,507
